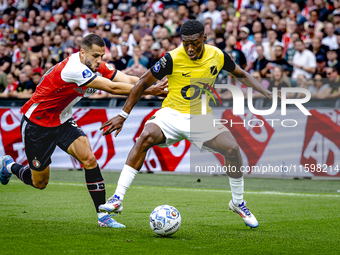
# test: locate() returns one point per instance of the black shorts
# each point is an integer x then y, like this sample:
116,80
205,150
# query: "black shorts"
40,142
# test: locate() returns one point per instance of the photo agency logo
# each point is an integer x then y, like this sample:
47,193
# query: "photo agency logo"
204,89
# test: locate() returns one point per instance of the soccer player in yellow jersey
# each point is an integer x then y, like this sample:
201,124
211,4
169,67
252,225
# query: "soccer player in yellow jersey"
171,124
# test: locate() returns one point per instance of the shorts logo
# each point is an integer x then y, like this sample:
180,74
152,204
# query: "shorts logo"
87,73
151,118
36,163
156,67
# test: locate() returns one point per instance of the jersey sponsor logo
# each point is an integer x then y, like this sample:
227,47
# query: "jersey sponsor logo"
87,73
162,61
109,67
156,67
186,74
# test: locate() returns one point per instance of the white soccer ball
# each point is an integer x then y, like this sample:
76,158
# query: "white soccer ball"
165,220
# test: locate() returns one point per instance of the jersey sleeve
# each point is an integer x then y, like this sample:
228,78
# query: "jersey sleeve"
107,71
162,67
229,64
79,74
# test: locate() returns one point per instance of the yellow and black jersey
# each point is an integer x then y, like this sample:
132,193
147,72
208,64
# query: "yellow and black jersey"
188,79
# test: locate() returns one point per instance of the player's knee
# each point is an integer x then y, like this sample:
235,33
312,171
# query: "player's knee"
232,151
40,184
146,140
89,161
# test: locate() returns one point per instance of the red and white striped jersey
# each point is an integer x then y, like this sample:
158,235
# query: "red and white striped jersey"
61,88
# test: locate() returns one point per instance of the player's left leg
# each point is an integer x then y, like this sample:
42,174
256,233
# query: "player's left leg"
81,150
226,144
75,143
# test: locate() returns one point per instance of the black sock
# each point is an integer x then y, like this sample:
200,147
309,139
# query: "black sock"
23,173
96,186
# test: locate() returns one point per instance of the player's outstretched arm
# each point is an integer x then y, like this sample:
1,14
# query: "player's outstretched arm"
124,88
116,123
122,77
250,81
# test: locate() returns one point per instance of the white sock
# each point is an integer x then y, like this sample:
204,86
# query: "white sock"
101,214
237,188
9,167
125,179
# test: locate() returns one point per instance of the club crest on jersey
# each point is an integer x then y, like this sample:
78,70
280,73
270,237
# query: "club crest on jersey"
213,70
87,73
156,67
36,163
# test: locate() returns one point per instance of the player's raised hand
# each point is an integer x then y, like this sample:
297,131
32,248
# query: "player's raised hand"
116,123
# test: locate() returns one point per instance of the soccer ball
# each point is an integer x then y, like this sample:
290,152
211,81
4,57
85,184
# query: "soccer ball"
165,220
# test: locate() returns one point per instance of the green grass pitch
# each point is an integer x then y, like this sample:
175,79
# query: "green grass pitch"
295,216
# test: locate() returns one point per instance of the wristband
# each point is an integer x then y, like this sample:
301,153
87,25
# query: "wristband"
123,114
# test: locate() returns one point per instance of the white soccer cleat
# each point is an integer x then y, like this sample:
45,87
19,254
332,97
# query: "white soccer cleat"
248,218
113,205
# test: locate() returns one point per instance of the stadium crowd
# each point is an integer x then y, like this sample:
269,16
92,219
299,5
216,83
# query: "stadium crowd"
282,43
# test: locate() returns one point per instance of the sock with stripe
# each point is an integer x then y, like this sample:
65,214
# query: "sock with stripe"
96,186
22,172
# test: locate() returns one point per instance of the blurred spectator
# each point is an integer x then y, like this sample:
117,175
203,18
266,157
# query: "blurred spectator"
261,62
314,19
46,57
291,51
5,67
57,50
213,14
334,84
332,59
10,90
25,83
330,40
304,61
323,12
35,63
269,46
318,87
278,79
234,53
143,27
321,65
29,86
78,21
247,47
138,58
125,57
77,43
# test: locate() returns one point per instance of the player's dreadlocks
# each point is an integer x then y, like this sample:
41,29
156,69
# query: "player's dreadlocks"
90,40
192,27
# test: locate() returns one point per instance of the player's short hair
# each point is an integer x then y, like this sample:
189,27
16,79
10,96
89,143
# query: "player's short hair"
192,27
90,40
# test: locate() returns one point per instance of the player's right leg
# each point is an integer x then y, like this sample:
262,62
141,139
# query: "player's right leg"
151,135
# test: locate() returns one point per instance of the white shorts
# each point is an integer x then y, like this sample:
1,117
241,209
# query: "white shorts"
177,126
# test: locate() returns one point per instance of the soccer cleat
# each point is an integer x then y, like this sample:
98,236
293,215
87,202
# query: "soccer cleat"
107,222
113,205
4,174
248,218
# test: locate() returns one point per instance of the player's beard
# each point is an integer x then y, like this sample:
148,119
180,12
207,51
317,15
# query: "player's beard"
89,65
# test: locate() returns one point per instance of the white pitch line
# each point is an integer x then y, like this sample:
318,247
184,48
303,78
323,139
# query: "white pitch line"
203,190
